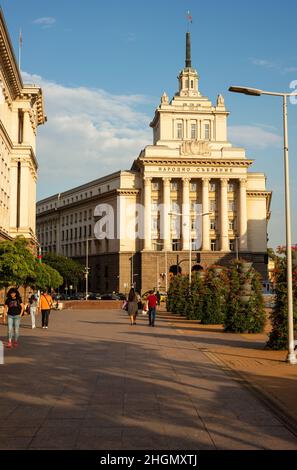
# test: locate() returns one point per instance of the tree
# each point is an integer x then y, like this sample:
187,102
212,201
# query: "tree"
17,263
245,305
71,271
46,277
278,338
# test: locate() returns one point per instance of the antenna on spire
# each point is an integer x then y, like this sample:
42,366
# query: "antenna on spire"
188,51
189,19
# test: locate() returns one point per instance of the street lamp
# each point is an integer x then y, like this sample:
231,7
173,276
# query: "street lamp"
87,265
256,92
179,214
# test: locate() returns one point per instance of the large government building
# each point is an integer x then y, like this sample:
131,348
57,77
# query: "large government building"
190,195
21,112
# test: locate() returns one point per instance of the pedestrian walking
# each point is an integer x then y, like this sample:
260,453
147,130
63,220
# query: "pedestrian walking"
132,306
33,306
152,306
14,309
45,305
158,295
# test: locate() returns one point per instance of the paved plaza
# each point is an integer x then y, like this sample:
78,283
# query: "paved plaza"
93,381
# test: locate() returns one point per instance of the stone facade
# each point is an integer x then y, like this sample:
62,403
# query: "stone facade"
190,194
21,112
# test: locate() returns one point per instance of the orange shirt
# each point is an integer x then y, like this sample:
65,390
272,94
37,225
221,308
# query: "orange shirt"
45,302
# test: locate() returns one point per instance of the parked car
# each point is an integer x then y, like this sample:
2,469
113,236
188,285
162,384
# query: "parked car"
110,296
121,296
94,296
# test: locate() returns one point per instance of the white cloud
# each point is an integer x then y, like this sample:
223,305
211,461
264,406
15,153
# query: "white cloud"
45,22
264,63
89,133
254,136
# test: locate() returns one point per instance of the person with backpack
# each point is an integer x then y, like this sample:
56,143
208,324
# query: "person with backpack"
45,305
14,309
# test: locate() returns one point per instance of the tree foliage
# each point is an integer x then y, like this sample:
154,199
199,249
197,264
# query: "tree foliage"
278,338
71,271
20,267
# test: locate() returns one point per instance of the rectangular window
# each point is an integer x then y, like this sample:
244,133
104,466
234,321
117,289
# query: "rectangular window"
154,205
179,130
174,206
212,205
213,245
207,131
193,187
155,224
175,245
21,126
193,131
230,187
155,185
75,233
212,187
213,224
231,206
174,223
231,224
90,230
232,245
173,186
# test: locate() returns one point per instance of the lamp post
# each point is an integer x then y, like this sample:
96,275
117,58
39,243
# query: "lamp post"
179,214
87,265
165,253
256,92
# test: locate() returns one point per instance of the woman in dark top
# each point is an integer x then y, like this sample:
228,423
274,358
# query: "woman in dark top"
14,309
132,306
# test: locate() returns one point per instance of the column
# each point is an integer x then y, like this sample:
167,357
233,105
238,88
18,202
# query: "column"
224,216
205,218
27,128
242,215
147,214
186,214
166,228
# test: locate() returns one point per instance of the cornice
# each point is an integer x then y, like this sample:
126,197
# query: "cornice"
80,202
21,153
157,161
256,193
8,61
128,192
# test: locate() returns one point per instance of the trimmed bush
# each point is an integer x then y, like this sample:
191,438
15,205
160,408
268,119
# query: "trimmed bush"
278,338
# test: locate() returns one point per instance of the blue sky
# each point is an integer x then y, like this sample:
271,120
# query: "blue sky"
104,65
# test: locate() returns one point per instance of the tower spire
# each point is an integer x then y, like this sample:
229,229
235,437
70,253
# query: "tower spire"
188,51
